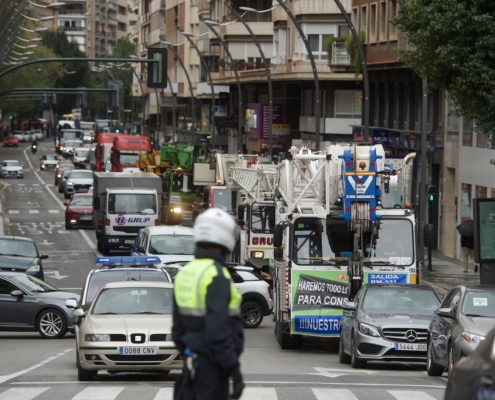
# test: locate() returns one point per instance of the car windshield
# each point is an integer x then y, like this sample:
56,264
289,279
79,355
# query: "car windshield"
32,284
412,300
11,164
144,204
479,304
128,158
64,168
81,175
71,135
318,240
225,199
129,300
81,153
81,201
86,125
100,279
22,248
171,244
262,218
51,158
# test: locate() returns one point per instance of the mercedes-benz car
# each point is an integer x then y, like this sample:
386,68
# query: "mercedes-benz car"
48,161
12,169
127,328
386,322
78,181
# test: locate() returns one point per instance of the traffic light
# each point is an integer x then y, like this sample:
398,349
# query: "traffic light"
157,71
11,116
431,197
432,191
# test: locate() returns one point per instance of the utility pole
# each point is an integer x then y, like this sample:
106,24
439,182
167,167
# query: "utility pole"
423,184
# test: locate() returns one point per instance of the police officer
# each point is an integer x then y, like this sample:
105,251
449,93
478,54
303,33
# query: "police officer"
208,328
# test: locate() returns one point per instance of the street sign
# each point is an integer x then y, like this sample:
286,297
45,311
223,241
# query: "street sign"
484,230
157,71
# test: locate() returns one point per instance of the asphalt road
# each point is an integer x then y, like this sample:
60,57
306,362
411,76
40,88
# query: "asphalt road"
34,368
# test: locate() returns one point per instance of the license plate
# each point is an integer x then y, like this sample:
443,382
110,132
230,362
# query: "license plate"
137,351
411,346
129,242
86,218
12,173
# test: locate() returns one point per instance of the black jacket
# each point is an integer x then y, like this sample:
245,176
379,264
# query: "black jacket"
218,336
467,241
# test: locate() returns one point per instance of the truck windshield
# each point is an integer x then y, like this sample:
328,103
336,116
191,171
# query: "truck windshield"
171,244
318,240
71,135
182,183
224,199
262,218
126,203
128,158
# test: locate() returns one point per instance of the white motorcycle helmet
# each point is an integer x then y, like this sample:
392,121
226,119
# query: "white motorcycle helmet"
216,227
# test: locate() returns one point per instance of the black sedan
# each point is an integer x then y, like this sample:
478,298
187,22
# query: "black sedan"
386,322
474,376
29,304
20,254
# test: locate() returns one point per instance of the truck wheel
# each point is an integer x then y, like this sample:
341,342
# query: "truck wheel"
288,342
99,244
105,249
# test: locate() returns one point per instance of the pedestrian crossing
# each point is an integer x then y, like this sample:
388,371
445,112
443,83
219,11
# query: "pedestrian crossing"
98,391
31,211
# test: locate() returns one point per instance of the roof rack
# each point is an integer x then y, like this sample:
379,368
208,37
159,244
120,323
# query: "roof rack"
126,262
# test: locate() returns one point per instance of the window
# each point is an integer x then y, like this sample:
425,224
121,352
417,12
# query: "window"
122,27
317,45
354,17
343,31
144,204
6,287
364,20
467,132
122,10
393,14
481,192
373,23
383,21
423,301
262,218
348,103
478,303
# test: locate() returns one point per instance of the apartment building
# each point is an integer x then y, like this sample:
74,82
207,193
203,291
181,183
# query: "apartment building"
73,20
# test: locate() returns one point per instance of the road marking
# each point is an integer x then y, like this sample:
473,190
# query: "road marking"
168,394
55,275
87,239
33,211
13,211
259,393
331,394
101,393
333,373
31,165
45,242
21,184
22,393
6,378
410,395
35,184
53,211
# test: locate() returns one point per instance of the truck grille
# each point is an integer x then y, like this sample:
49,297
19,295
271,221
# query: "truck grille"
405,335
128,229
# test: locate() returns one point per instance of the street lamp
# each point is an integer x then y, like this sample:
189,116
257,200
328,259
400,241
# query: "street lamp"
51,5
172,47
47,18
26,53
189,36
31,46
210,24
267,71
33,30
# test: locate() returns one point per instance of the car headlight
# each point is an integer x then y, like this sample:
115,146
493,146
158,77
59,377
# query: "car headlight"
472,338
69,183
96,338
34,268
59,175
368,330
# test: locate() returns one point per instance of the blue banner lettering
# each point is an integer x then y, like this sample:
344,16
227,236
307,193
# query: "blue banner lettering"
328,324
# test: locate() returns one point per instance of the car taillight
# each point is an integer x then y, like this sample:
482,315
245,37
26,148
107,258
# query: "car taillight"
107,222
158,222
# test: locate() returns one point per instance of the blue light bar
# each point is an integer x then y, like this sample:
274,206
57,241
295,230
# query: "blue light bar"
137,261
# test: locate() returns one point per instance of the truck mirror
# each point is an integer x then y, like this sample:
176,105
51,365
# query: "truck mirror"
96,204
206,197
278,236
240,213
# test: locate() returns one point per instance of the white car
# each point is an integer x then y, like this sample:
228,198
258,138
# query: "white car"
26,136
80,157
12,169
88,136
19,136
48,161
38,134
70,146
170,243
128,327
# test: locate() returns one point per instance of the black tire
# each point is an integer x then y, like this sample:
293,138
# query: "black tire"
432,369
59,189
356,362
51,324
288,342
99,245
343,358
105,249
252,314
83,375
67,196
68,227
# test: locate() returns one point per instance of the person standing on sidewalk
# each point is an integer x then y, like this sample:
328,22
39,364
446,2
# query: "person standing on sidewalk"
467,244
207,325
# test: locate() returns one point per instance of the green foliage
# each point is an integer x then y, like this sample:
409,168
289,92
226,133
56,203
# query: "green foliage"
353,52
329,44
454,44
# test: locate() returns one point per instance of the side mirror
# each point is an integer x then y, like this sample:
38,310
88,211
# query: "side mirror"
446,312
240,213
43,256
140,250
71,304
79,313
349,306
66,177
278,235
16,293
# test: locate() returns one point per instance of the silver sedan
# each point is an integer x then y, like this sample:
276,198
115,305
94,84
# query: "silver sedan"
387,322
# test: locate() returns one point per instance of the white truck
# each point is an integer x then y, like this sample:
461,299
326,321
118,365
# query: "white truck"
338,226
123,203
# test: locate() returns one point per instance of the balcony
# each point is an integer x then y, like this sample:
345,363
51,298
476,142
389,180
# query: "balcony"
319,7
258,28
250,17
204,88
112,5
339,54
73,29
336,126
299,65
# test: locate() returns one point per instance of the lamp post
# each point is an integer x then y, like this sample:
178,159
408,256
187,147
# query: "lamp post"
423,185
267,71
174,115
47,18
313,66
205,65
210,25
172,47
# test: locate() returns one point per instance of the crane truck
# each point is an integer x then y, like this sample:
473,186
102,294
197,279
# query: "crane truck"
334,234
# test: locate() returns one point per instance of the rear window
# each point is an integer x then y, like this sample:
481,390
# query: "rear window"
100,279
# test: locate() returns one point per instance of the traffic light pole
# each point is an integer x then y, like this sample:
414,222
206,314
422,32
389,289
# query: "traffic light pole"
423,185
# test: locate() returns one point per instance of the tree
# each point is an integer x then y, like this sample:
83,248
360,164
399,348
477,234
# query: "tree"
454,47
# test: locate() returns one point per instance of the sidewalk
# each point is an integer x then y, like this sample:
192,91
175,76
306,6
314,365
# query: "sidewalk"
447,273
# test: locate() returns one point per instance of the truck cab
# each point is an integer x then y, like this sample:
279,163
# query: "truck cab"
126,150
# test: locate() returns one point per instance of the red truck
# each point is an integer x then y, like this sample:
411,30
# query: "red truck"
104,144
126,150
